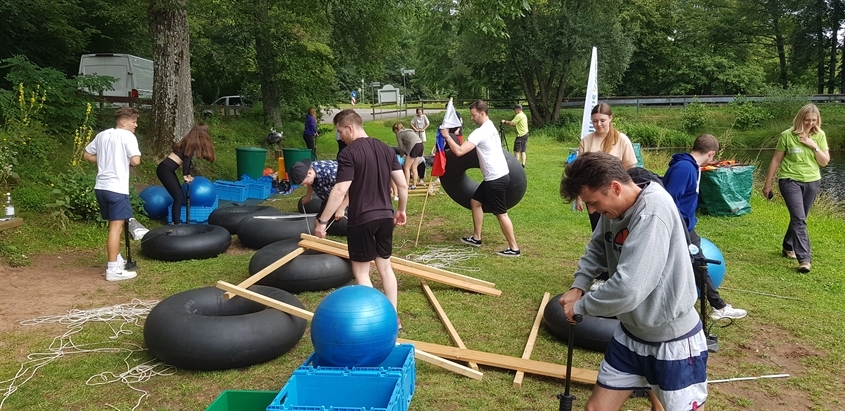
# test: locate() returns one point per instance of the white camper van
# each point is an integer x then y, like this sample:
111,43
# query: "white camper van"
134,74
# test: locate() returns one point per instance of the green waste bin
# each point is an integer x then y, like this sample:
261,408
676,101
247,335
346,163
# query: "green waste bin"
726,191
292,155
250,161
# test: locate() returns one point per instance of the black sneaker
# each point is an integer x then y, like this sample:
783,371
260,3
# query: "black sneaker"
508,253
471,241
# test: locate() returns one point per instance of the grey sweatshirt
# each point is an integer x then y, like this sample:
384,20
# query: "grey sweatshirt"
651,289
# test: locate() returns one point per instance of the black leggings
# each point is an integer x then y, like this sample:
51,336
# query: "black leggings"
166,172
310,143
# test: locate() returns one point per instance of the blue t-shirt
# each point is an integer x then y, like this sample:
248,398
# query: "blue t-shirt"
326,171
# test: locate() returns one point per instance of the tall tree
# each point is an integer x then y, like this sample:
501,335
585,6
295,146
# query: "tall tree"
266,56
172,106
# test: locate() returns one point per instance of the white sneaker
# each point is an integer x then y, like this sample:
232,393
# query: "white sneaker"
728,312
596,285
121,262
120,275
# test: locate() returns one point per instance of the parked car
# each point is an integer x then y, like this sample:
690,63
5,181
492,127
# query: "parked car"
225,103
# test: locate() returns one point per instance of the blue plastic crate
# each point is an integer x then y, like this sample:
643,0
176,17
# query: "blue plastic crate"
340,393
199,215
231,190
259,189
400,363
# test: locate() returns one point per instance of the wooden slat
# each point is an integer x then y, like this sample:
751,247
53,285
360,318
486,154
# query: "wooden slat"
445,319
421,273
448,365
15,222
504,361
532,338
266,270
408,263
262,299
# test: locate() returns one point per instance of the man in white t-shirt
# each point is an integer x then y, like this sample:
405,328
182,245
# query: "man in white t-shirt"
492,192
115,150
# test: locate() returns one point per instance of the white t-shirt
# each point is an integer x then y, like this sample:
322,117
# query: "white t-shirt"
491,157
113,148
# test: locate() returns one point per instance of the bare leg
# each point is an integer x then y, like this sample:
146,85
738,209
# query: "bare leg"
406,168
361,271
113,241
388,281
507,230
524,156
477,218
655,403
604,399
414,171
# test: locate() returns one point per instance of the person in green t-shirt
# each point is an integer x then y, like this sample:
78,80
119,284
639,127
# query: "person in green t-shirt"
520,121
799,153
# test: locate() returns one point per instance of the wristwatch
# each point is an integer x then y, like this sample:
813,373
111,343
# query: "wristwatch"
817,149
321,221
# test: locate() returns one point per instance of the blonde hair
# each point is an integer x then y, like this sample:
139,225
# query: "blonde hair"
798,121
612,133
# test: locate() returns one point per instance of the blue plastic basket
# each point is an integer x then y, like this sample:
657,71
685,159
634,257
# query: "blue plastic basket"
259,189
199,215
400,363
231,190
340,393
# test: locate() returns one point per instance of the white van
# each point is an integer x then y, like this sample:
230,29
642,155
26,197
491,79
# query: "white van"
134,74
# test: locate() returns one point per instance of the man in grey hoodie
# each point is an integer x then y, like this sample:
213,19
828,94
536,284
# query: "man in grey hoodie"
640,239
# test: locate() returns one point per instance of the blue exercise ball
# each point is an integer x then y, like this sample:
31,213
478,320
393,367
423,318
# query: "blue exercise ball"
354,326
156,201
716,271
203,193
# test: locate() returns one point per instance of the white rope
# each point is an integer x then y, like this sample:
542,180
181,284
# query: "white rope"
447,257
63,346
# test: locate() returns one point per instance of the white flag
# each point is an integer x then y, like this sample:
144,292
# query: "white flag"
592,97
450,119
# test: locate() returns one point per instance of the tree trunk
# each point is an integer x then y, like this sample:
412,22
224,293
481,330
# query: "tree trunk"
820,46
780,43
173,107
834,45
265,56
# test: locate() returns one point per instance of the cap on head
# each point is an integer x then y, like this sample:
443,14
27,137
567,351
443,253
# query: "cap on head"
299,170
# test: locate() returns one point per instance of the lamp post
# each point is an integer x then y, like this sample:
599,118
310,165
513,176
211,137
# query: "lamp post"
409,72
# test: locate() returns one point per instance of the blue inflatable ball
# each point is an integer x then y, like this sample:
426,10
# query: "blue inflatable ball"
157,201
203,193
354,326
716,271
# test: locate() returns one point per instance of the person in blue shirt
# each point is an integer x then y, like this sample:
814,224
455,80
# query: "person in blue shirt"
681,181
310,134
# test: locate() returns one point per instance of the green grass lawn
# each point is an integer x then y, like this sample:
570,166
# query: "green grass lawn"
795,322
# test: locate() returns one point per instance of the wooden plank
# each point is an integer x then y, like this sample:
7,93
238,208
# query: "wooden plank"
408,263
532,338
266,270
420,273
448,365
445,319
503,361
15,222
262,299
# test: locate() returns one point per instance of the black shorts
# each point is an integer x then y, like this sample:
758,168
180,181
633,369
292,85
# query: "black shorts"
370,240
416,151
520,144
113,206
493,195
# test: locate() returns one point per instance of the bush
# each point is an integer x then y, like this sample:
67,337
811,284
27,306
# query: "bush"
782,104
73,197
652,135
695,116
748,115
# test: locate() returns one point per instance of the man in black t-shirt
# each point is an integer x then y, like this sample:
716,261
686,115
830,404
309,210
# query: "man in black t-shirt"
365,169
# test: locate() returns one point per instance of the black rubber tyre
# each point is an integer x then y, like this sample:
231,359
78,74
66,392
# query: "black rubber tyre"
460,187
592,333
310,271
229,217
185,242
201,330
311,207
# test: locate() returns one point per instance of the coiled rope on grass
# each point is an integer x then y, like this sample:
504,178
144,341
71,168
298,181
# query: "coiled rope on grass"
446,257
129,314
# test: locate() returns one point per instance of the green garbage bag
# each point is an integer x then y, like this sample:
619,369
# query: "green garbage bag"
726,191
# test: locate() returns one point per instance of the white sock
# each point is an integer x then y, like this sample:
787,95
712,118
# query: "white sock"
113,266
